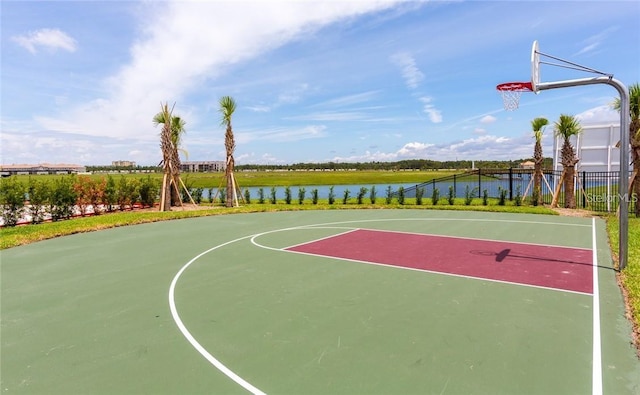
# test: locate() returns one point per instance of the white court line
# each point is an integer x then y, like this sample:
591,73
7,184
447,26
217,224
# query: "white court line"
350,230
185,332
232,375
475,239
597,348
287,250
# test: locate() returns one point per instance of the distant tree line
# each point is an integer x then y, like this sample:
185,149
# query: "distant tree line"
409,164
131,169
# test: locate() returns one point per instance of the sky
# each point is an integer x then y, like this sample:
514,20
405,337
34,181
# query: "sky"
314,81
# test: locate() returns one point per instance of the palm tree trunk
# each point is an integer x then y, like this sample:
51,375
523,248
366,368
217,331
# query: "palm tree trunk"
569,188
559,186
537,183
165,203
230,182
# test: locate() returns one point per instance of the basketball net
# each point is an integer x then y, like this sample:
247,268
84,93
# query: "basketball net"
511,92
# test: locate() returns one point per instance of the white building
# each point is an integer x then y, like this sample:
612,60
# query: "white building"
202,166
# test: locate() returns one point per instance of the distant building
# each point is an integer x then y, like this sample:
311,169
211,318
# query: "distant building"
527,165
42,168
202,166
123,163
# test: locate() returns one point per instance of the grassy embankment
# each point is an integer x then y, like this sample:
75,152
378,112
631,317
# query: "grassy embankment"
630,276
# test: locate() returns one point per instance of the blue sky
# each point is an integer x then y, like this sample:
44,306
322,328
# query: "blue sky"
340,81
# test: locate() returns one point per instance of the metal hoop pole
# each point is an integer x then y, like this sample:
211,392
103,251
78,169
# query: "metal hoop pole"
623,184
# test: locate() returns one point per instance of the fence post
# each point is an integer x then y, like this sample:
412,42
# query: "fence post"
511,183
584,189
455,190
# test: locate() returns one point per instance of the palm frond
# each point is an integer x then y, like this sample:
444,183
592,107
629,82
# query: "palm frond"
227,108
539,123
567,126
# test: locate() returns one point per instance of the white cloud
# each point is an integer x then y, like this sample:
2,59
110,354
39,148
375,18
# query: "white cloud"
282,134
488,119
51,39
435,115
350,99
185,43
410,72
414,150
330,116
601,114
592,43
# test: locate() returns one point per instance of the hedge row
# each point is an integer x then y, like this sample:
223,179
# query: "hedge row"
65,196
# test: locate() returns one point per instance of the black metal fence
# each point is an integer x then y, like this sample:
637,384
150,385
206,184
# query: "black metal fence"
595,191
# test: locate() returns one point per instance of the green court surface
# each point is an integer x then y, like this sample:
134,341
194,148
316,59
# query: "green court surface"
216,305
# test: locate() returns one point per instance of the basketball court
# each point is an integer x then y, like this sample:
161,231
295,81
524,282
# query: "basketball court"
327,302
335,301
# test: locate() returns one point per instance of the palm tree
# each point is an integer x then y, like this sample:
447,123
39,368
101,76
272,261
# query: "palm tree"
634,139
538,125
170,141
227,108
566,127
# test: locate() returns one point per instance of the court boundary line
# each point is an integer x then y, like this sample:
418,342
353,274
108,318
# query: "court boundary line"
346,232
597,346
474,238
191,339
349,230
248,386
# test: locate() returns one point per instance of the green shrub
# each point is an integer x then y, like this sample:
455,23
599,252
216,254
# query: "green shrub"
261,196
332,196
389,196
372,194
401,195
361,193
222,192
150,188
435,196
287,195
62,199
518,197
345,196
419,195
534,197
314,196
39,192
197,195
12,194
502,196
247,196
301,195
469,194
272,196
452,196
128,193
485,197
110,194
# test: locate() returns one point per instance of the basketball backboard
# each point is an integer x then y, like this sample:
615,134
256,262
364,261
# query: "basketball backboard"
535,67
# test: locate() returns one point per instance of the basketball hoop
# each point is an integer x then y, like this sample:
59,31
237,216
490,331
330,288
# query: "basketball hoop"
511,92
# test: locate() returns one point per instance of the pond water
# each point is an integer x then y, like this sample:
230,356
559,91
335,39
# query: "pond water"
323,191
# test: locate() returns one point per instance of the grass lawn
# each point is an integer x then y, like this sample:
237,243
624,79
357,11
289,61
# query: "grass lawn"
630,276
